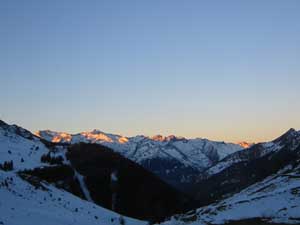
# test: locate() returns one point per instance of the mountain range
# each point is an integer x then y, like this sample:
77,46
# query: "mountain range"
177,160
57,178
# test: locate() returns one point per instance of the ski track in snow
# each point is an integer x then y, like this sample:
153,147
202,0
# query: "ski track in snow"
83,186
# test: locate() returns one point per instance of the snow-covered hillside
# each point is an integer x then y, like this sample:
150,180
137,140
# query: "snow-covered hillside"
275,199
20,146
41,203
291,138
23,203
24,154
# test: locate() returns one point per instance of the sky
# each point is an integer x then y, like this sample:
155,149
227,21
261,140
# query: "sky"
223,70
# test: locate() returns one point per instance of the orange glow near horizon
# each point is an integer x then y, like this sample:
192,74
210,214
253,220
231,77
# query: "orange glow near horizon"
123,140
245,144
96,137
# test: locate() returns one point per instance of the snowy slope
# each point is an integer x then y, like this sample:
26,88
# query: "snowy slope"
242,157
22,203
20,146
276,199
291,138
27,152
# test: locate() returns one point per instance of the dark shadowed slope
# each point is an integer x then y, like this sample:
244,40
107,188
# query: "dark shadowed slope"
138,193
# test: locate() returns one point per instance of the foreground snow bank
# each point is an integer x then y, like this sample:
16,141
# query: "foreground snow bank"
22,203
276,199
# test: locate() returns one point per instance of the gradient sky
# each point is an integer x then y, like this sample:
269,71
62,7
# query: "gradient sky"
224,70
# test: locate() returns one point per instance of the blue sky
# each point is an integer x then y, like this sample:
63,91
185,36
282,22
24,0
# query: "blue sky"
225,70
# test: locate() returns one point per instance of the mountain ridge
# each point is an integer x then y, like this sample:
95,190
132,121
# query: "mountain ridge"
176,160
66,137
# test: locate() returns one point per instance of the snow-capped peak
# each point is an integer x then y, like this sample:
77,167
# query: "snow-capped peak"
53,136
290,134
94,136
245,144
161,138
14,129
